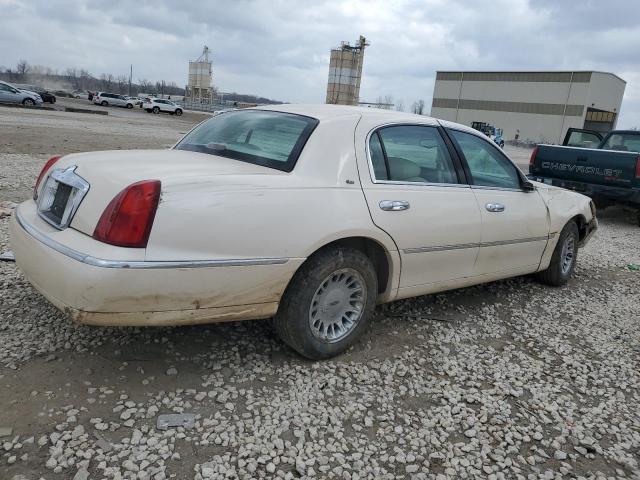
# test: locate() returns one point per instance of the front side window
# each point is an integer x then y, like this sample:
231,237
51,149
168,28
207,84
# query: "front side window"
488,167
271,139
411,153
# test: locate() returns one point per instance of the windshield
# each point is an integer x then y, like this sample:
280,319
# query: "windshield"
271,139
626,142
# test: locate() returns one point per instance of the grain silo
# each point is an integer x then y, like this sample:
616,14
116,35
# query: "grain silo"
345,71
199,88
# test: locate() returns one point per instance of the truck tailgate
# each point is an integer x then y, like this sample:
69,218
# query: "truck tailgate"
587,165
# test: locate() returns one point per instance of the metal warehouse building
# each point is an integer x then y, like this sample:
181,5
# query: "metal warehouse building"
540,106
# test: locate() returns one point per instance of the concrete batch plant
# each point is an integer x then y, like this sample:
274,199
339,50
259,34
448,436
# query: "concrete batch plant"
536,106
345,72
199,89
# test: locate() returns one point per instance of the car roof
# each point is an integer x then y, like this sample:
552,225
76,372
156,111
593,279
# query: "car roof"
326,111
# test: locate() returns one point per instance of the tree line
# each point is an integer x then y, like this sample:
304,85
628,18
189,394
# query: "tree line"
80,79
387,103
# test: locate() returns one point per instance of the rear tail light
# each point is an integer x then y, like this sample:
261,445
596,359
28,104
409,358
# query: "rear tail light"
127,220
532,159
44,170
638,168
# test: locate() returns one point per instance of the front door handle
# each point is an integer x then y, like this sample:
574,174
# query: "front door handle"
494,207
394,205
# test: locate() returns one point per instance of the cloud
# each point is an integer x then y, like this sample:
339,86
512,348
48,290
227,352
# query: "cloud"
280,48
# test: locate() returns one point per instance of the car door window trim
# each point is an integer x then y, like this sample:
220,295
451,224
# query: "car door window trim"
462,181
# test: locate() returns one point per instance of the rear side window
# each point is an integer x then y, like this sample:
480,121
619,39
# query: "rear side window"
271,139
487,165
623,142
412,154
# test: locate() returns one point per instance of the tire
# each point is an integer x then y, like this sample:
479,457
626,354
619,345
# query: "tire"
179,112
501,144
104,103
129,105
28,102
156,110
561,267
324,281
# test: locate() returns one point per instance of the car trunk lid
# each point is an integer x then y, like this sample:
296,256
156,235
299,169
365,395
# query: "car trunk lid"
108,173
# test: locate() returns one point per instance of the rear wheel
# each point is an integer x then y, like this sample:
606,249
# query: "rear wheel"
104,103
564,258
28,102
156,110
328,303
178,112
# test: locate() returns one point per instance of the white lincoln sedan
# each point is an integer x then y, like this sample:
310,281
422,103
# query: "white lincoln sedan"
308,214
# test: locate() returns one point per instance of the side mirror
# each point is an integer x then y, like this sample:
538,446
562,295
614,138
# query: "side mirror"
527,186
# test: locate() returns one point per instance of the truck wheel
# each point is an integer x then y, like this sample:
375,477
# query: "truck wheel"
328,303
563,260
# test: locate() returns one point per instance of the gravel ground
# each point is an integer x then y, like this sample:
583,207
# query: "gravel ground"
505,380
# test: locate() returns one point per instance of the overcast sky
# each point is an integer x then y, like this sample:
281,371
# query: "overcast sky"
280,49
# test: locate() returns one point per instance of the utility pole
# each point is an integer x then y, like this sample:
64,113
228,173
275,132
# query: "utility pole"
130,76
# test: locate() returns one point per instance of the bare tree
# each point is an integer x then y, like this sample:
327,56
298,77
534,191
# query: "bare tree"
418,107
400,106
107,80
145,85
123,83
22,68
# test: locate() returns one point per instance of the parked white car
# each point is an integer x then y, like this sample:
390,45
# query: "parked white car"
105,99
157,105
308,214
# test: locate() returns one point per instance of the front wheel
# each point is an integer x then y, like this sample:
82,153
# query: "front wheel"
178,112
564,258
328,303
28,102
129,105
501,144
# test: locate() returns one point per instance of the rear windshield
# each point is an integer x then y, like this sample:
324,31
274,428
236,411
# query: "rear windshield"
271,139
625,142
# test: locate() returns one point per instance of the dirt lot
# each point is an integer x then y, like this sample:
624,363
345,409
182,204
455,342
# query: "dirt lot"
506,380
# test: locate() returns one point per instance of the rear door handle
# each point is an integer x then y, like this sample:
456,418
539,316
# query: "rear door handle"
394,205
494,207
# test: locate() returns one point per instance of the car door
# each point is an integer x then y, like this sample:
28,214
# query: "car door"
414,192
577,137
515,225
8,94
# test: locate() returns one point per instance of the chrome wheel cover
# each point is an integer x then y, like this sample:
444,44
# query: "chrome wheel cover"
567,254
337,306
